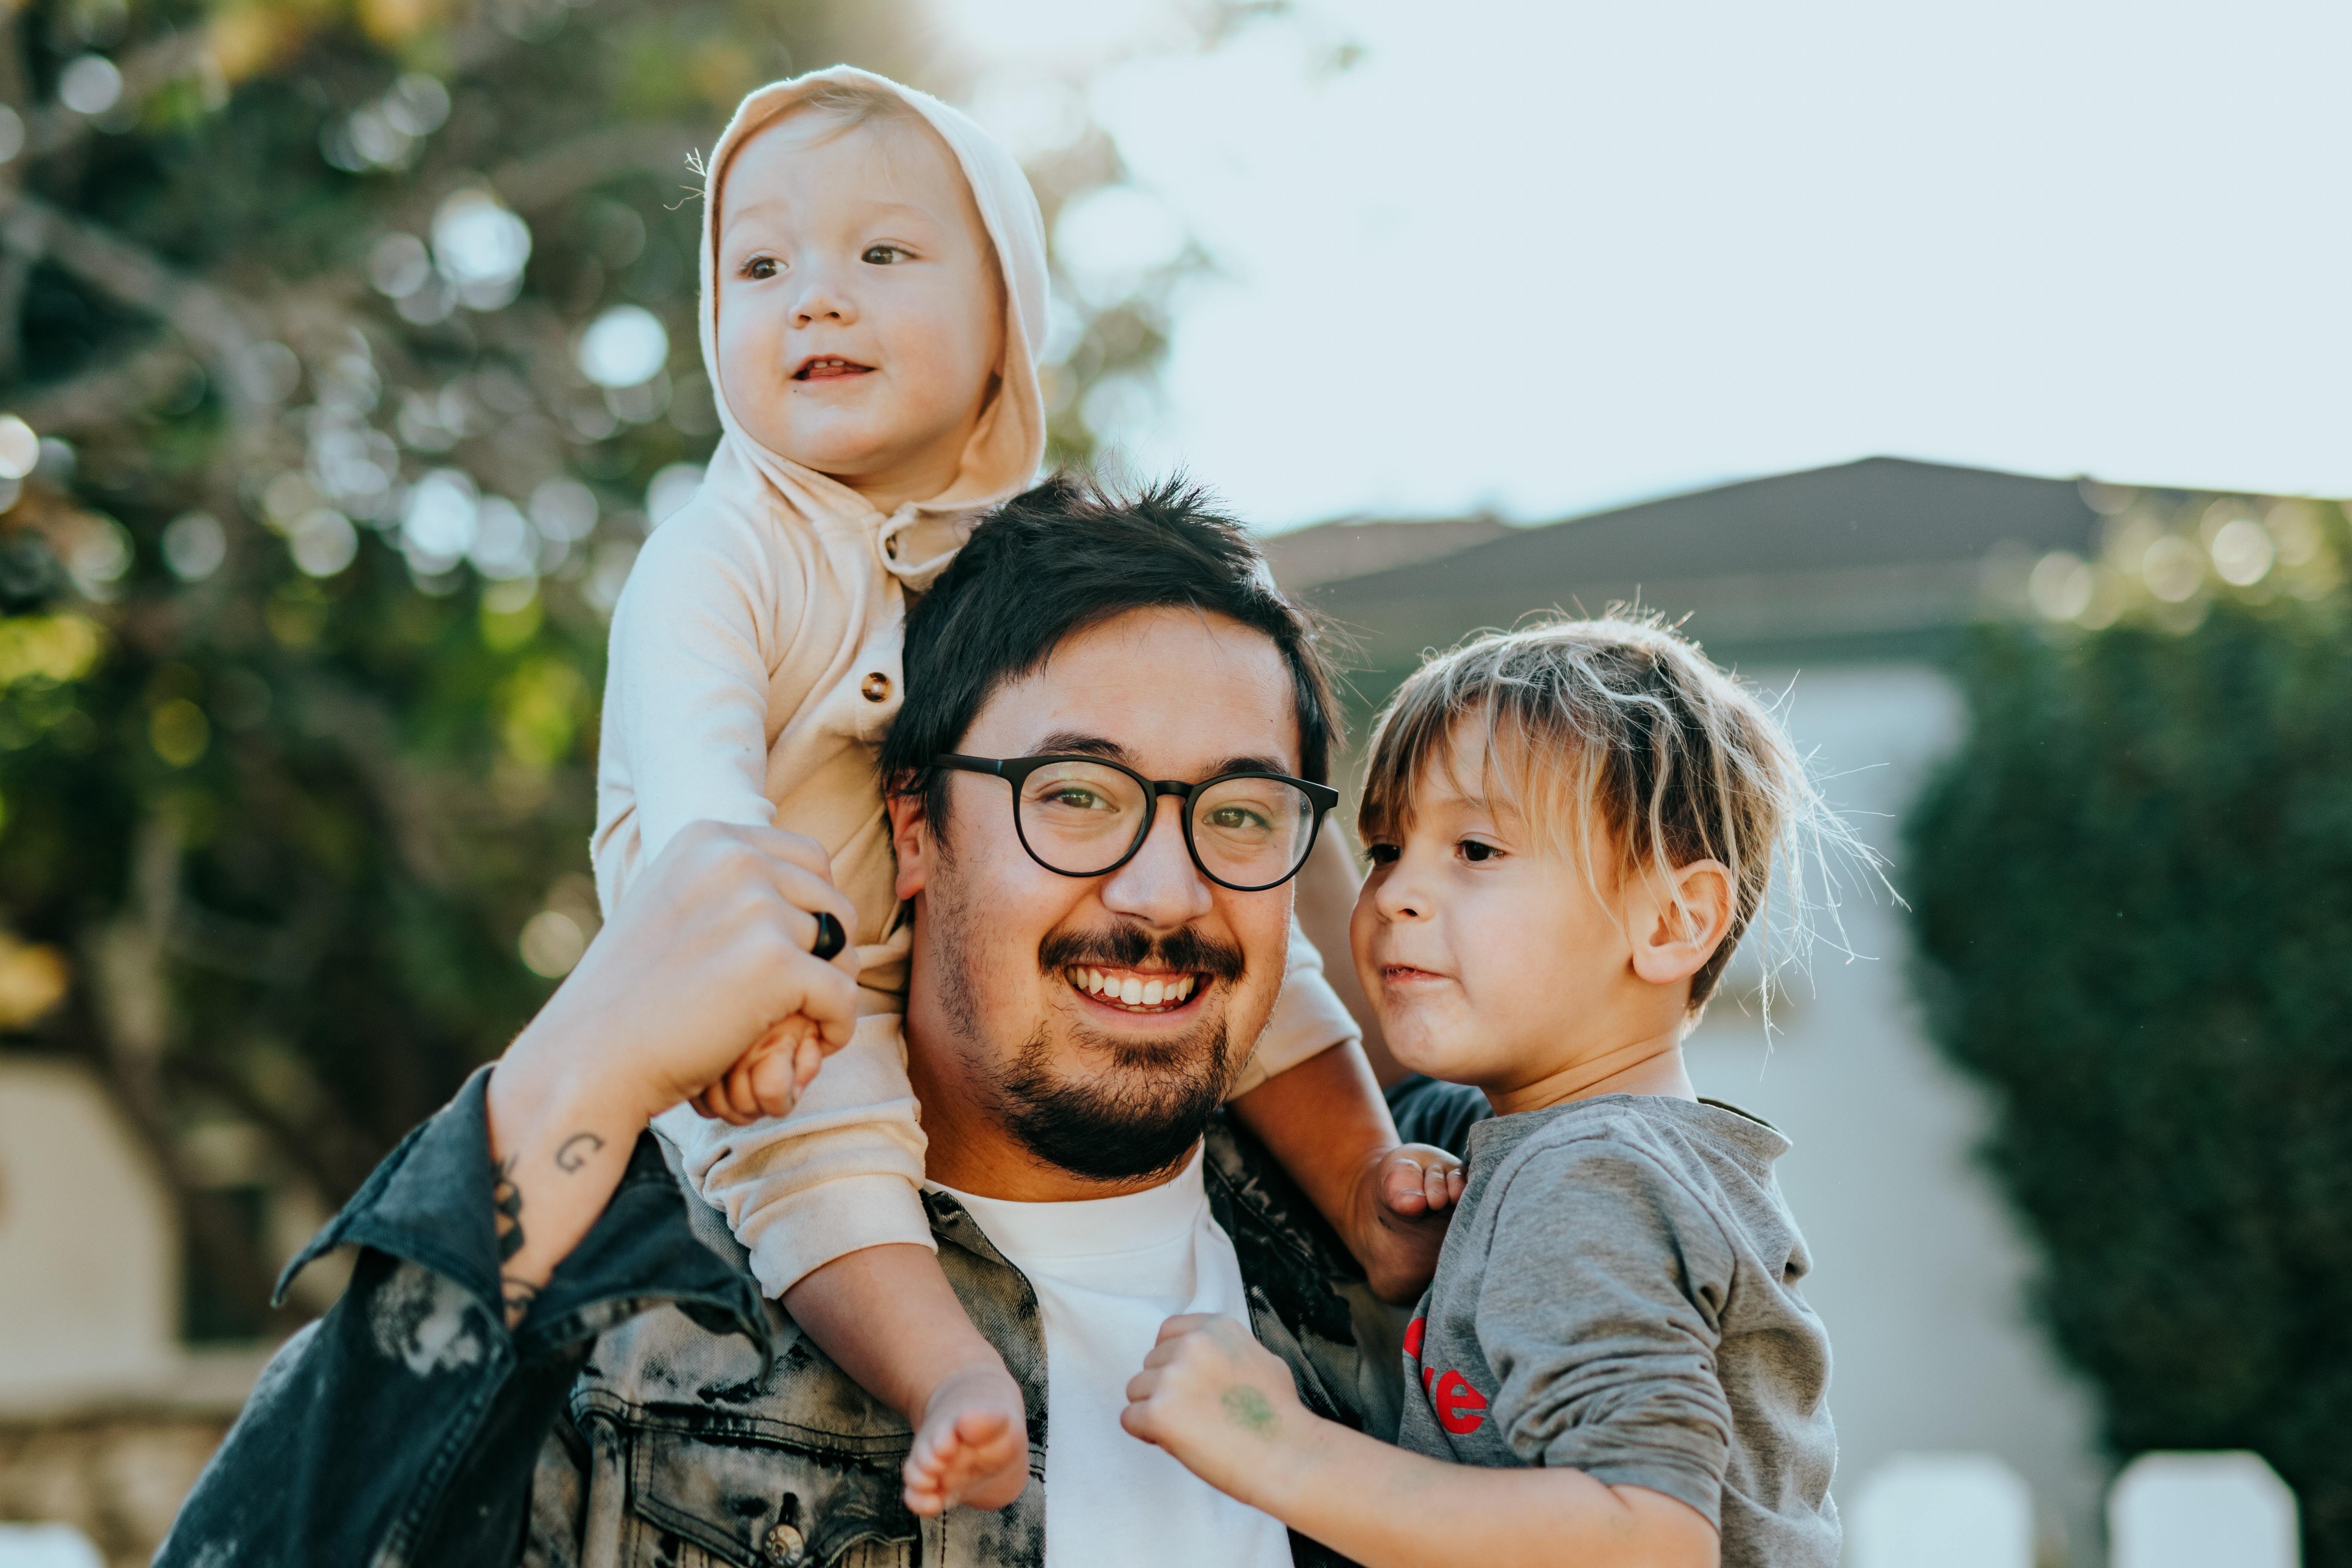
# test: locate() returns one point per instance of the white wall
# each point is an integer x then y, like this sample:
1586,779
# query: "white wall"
88,1250
1919,1272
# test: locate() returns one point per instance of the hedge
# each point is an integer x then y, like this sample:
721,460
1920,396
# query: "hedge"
2133,892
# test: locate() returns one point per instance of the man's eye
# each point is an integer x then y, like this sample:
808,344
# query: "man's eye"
1076,798
882,254
1474,851
1381,854
760,266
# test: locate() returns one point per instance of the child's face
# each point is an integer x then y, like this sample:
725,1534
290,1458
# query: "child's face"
1485,951
860,320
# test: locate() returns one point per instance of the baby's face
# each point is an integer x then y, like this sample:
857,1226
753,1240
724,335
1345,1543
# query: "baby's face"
860,319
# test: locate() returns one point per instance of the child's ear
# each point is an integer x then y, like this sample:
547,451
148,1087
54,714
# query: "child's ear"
911,837
1675,936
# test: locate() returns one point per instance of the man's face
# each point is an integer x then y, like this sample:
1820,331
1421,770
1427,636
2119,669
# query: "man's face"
1017,970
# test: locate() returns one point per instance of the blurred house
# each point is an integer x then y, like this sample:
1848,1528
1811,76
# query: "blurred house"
105,1415
1848,587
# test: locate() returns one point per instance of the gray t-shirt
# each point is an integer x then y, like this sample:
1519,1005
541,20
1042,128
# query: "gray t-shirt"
1618,1295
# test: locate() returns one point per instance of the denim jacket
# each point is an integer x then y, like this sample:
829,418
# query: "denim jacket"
653,1410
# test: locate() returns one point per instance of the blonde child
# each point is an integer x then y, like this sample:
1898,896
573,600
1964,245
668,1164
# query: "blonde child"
1570,826
873,302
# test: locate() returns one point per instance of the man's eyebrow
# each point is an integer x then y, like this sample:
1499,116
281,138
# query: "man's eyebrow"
1255,765
1082,744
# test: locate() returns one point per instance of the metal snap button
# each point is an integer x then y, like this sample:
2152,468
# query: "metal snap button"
785,1546
877,687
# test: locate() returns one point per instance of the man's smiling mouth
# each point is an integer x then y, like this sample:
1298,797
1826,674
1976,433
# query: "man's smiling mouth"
826,367
1140,991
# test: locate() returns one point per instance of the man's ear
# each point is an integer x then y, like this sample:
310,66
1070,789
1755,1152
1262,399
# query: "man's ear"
911,837
1674,936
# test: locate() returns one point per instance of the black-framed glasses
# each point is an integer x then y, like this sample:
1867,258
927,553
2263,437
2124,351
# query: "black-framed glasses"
1082,816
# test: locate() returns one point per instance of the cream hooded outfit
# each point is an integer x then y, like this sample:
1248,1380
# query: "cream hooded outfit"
754,670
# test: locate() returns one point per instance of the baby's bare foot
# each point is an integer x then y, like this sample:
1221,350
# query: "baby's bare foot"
972,1446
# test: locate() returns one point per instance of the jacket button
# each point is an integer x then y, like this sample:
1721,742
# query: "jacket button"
877,687
785,1546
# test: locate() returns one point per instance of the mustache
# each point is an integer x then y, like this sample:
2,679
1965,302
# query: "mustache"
1129,947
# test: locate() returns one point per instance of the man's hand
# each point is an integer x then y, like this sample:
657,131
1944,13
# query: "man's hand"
1220,1402
706,955
1404,1201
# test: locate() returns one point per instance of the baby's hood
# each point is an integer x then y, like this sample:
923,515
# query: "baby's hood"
1002,456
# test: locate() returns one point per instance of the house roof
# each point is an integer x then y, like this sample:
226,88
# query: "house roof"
1864,560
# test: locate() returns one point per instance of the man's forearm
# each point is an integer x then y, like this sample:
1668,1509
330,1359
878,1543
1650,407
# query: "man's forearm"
1387,1508
559,1142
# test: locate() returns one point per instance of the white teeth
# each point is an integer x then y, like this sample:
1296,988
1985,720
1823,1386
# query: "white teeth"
1132,991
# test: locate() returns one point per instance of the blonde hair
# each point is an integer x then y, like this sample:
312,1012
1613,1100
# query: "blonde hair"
1622,724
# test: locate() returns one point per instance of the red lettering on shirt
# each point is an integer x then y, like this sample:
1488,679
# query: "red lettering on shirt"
1460,1407
1413,1331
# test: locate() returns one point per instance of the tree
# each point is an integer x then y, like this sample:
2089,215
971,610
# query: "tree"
348,342
2134,887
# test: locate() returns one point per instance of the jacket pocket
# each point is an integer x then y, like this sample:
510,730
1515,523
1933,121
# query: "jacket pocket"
757,1504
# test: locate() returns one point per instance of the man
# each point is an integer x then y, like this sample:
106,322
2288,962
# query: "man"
648,1406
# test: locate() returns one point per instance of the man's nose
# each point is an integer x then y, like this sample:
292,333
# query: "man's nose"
1160,886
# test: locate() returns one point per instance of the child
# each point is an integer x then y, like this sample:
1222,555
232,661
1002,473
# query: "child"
1570,828
873,301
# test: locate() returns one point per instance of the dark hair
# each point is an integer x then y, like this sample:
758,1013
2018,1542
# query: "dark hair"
1066,556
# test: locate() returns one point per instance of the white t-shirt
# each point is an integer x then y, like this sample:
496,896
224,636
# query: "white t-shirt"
1107,1272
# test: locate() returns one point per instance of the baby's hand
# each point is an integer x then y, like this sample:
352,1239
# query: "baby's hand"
768,1078
1220,1402
1410,1192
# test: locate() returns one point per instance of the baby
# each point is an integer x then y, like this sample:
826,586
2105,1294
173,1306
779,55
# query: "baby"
872,303
1614,1366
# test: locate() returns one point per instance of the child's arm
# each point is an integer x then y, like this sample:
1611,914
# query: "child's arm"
684,733
1225,1406
1325,1122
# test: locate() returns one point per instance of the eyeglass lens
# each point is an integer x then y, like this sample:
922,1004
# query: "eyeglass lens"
1081,819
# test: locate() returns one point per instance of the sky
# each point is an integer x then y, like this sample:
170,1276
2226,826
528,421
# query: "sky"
1537,258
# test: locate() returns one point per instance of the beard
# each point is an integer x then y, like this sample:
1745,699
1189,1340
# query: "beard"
1145,1117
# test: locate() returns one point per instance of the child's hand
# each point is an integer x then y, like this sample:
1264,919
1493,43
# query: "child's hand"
1222,1404
768,1078
1410,1192
1419,1180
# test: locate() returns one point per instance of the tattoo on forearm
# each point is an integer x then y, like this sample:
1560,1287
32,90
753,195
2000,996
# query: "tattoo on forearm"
506,1209
518,1295
576,1149
506,1203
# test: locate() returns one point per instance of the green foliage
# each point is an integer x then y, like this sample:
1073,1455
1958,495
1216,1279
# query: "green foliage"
2134,887
295,790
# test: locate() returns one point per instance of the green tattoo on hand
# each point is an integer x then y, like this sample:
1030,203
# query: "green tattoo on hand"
1245,1406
